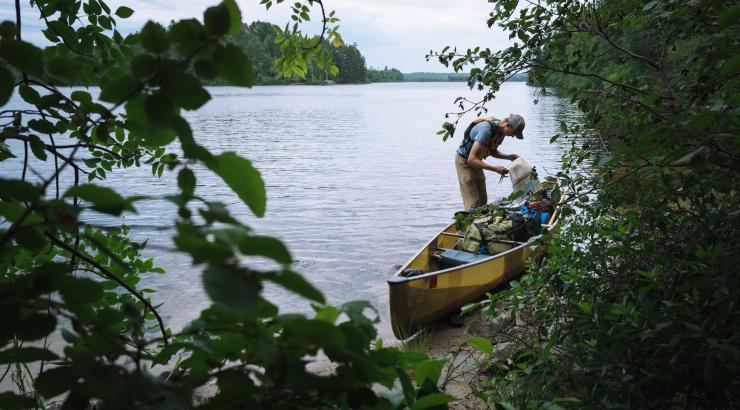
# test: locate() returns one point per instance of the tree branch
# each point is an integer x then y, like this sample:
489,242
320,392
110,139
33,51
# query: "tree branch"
592,75
323,28
113,277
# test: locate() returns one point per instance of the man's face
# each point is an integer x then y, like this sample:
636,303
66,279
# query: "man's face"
506,128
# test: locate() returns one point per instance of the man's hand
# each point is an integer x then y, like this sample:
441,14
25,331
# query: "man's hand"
501,170
512,157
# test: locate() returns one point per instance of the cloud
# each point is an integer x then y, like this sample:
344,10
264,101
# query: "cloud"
389,33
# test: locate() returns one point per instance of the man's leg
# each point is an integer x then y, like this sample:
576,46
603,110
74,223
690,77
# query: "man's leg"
472,184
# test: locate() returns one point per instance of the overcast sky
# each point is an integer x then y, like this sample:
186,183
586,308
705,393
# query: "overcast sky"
396,33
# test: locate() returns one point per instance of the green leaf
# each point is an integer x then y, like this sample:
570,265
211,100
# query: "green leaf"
159,110
117,88
729,16
433,400
18,190
42,126
139,124
31,239
124,12
144,66
217,20
266,246
428,369
240,175
28,94
7,82
328,314
205,69
235,289
185,90
12,401
24,56
8,29
603,160
233,65
70,69
686,159
505,405
316,332
154,38
80,291
296,283
192,241
36,326
469,308
11,210
731,64
651,99
102,199
408,388
54,382
188,35
481,344
26,355
649,5
235,17
37,147
186,181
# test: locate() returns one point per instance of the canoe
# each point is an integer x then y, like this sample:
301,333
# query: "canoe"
419,301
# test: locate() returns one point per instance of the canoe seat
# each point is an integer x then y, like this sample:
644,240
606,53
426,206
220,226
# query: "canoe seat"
453,257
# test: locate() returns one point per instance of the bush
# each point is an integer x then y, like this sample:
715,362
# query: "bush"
635,305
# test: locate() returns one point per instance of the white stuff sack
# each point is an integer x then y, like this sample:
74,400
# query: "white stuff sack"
520,172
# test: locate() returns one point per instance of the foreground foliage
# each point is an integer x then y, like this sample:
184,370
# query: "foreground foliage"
636,305
343,63
66,279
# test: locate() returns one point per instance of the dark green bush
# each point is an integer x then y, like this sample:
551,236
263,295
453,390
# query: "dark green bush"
636,304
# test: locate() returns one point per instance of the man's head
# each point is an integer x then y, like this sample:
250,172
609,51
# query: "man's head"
513,125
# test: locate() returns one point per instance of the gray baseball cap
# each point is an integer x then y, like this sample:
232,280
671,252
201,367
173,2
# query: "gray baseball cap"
517,122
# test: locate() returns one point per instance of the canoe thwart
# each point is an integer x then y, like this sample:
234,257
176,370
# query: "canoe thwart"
456,235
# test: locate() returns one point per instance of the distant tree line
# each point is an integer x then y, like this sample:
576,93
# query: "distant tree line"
445,77
385,75
435,77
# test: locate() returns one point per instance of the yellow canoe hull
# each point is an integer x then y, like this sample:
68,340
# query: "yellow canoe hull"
418,301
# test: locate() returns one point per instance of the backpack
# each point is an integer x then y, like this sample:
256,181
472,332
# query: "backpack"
495,140
483,232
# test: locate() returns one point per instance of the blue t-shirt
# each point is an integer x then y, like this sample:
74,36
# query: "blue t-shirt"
481,132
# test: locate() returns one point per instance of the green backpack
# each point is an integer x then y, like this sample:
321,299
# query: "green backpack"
486,230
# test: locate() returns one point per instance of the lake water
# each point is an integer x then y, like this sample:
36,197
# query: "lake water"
357,180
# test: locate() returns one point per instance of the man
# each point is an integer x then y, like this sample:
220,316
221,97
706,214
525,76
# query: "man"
482,138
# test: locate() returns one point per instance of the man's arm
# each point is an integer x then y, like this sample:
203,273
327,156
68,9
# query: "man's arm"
501,155
475,160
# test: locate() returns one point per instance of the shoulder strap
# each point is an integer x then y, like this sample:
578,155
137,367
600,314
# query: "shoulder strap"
496,139
481,119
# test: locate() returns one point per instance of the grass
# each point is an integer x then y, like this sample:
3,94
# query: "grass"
414,342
